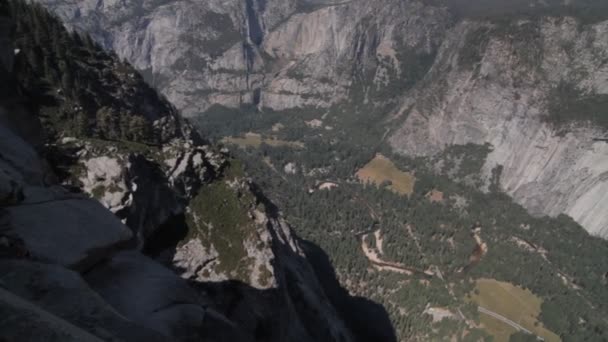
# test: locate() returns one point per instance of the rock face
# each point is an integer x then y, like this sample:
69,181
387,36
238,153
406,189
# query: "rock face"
101,239
474,80
149,294
49,287
44,233
275,54
75,247
503,99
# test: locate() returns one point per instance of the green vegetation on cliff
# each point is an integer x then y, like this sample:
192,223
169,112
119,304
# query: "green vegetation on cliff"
219,217
567,104
77,88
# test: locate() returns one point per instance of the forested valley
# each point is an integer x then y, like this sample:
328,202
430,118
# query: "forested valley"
447,233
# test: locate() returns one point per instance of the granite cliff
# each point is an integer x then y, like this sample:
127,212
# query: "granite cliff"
508,92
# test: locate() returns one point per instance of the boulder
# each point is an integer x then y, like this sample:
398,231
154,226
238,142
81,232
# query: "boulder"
76,233
149,294
105,180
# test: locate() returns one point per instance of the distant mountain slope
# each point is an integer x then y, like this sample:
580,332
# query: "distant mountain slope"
276,54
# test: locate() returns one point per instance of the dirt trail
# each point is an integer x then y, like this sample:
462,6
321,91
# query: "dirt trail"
409,230
505,320
372,254
379,241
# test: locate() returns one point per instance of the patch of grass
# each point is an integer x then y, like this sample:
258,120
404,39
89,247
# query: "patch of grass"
500,332
382,170
122,146
512,302
113,188
234,170
98,192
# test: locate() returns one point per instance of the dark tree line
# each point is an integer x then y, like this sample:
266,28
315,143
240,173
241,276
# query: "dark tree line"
78,88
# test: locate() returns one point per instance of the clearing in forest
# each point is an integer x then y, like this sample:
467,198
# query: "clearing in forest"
512,302
381,170
256,140
435,196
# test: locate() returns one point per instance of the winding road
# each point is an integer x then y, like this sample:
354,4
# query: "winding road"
372,254
506,321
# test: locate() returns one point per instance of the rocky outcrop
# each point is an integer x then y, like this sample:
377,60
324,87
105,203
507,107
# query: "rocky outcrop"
503,97
69,231
45,234
194,211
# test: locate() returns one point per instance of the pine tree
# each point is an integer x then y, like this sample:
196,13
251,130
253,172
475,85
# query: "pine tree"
107,123
67,80
77,39
89,44
81,125
124,122
138,128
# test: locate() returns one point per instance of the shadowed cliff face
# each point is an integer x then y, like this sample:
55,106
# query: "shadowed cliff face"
291,53
253,7
367,320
